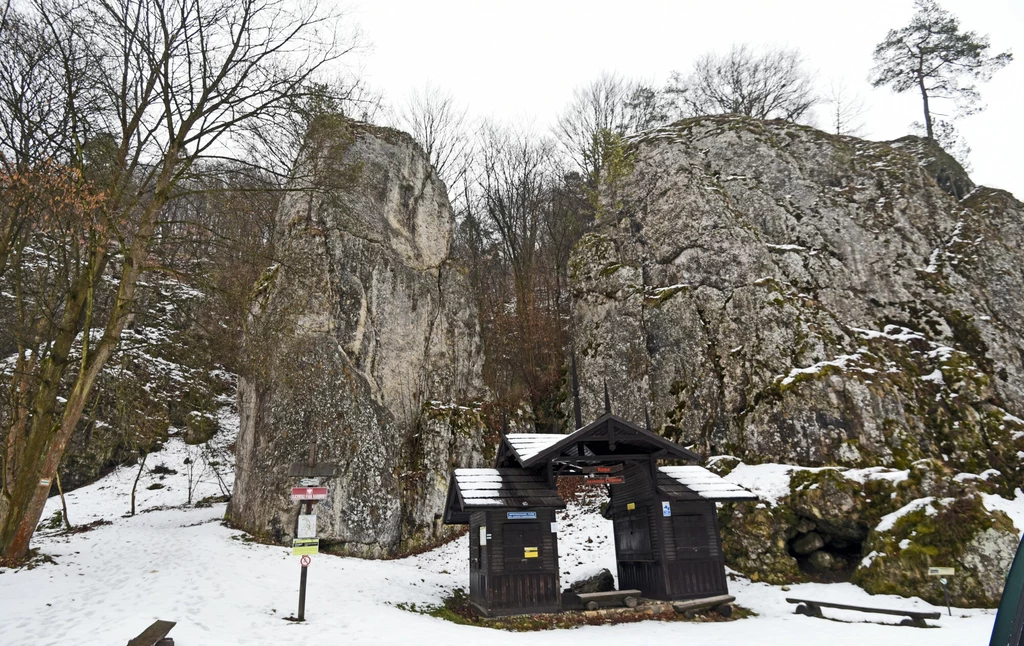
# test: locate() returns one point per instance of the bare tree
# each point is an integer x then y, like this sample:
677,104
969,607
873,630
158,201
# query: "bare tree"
514,179
845,109
439,124
147,91
612,105
770,83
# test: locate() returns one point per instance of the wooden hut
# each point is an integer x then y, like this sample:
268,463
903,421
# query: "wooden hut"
513,541
667,541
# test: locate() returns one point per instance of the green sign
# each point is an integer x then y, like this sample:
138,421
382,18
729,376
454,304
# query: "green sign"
303,546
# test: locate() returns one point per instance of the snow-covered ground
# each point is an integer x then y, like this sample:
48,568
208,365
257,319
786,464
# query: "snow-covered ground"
182,564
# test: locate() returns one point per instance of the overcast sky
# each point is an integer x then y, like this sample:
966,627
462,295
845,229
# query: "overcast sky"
522,59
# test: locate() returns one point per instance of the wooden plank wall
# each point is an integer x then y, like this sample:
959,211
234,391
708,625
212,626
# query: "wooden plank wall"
507,592
643,572
699,574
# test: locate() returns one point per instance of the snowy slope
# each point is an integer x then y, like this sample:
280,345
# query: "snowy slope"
181,564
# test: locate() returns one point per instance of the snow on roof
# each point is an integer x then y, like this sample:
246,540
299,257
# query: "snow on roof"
527,445
706,484
503,488
479,486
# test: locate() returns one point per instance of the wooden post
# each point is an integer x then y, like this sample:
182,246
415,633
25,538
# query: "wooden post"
302,593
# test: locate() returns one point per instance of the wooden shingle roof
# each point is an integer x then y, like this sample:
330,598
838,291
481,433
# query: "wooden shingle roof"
473,489
692,482
608,436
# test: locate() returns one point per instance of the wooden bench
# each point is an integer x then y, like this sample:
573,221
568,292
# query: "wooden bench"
913,617
595,600
689,608
155,635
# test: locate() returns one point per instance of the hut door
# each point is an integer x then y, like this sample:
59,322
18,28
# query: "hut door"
698,569
633,536
522,547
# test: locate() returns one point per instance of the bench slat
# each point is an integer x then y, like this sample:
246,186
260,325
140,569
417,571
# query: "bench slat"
706,602
156,631
882,611
608,596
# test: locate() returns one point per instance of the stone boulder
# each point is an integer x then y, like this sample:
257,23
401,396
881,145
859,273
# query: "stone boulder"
773,292
603,581
948,532
365,341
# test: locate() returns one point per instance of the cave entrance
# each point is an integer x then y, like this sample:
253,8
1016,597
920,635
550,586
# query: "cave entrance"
825,553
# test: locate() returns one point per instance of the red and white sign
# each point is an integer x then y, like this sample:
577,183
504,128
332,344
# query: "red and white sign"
605,480
309,493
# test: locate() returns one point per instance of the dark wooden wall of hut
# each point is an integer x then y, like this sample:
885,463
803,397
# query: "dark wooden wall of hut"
694,562
665,557
502,580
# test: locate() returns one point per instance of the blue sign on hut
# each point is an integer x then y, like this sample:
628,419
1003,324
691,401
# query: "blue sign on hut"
667,540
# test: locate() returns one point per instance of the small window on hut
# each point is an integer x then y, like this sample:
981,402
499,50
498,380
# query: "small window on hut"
522,547
691,534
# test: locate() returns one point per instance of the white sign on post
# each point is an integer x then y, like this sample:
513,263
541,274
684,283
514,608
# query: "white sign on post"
483,536
307,526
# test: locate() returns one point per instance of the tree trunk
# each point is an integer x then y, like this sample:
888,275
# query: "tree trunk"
135,485
927,112
48,438
63,502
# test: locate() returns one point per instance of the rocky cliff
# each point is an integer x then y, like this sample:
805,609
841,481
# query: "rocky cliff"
771,291
779,294
365,341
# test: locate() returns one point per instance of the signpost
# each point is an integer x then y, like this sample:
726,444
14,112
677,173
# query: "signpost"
606,481
943,572
611,468
307,494
303,494
307,526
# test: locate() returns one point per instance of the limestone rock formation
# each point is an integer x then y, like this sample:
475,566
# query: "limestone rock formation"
366,342
773,292
880,528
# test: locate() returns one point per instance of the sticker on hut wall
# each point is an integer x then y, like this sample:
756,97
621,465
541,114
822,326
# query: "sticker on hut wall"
483,536
521,515
554,528
666,508
530,553
631,506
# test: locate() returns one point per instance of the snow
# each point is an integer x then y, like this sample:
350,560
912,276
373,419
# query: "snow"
181,563
888,521
769,482
527,445
1013,508
786,247
705,484
934,377
877,473
839,362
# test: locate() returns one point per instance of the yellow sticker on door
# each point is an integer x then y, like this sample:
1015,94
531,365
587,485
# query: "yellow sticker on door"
530,553
631,506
